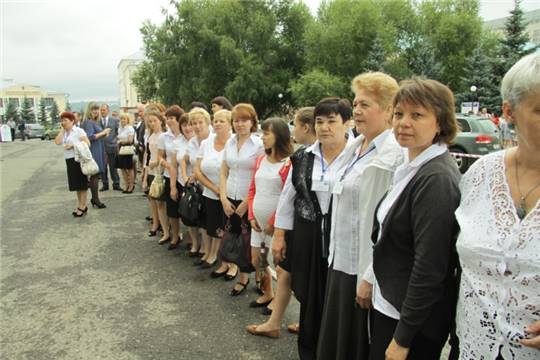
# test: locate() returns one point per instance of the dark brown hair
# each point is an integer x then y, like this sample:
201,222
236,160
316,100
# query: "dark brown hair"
246,111
223,102
175,111
184,119
435,96
334,105
281,132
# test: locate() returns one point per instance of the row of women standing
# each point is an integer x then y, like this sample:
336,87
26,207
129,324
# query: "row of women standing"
375,220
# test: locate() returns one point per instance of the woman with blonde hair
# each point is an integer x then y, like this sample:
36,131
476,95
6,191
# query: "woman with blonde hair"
125,139
96,134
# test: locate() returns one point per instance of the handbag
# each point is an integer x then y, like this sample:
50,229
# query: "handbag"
190,206
235,244
89,167
158,185
127,150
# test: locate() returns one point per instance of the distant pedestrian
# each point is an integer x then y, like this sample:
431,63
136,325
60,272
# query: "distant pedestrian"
126,136
109,122
22,129
12,126
69,136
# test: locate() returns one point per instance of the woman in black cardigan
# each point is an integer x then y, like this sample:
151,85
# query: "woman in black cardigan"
414,257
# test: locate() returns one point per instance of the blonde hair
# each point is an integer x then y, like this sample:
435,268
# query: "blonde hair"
226,113
197,111
127,116
380,85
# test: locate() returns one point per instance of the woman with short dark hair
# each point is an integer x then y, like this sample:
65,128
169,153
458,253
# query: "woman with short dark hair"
220,103
414,257
77,181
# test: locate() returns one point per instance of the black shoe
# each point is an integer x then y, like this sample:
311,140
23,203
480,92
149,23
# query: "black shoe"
235,292
266,311
98,204
214,274
255,304
198,262
80,212
148,218
152,233
207,265
172,246
163,241
104,188
117,188
193,253
229,277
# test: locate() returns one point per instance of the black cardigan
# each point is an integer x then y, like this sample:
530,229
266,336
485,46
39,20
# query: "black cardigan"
415,258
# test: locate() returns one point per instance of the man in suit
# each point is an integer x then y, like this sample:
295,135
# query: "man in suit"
110,148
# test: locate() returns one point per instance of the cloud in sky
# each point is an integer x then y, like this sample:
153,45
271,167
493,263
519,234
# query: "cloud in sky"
75,46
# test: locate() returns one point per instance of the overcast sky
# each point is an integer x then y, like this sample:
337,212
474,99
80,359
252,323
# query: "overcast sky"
75,46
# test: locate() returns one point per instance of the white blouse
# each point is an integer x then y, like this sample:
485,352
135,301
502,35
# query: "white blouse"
125,132
72,138
285,209
211,160
181,149
168,142
191,151
500,257
241,164
153,143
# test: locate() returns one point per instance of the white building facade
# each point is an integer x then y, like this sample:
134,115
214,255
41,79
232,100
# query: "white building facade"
128,92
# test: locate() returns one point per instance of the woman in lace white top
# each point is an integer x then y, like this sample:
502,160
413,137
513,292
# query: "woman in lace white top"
498,314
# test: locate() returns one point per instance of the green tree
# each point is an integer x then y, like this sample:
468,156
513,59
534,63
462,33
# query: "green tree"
145,81
12,112
42,112
310,88
376,58
27,111
54,113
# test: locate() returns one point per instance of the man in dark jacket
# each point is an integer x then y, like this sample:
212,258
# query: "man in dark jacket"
110,148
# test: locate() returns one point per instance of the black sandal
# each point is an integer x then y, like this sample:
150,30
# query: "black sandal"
235,292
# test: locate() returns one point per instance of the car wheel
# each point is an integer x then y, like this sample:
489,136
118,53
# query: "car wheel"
463,163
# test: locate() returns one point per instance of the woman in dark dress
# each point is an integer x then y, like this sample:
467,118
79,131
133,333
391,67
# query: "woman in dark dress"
96,135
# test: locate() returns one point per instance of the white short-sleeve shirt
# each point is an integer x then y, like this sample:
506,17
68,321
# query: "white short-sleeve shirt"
211,160
125,132
241,164
181,148
71,138
168,142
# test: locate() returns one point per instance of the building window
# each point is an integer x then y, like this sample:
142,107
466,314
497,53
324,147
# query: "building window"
14,101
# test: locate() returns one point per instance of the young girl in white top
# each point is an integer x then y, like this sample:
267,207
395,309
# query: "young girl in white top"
207,171
267,182
126,136
156,123
199,121
241,153
77,181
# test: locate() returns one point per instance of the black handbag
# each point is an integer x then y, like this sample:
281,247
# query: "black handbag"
235,244
190,205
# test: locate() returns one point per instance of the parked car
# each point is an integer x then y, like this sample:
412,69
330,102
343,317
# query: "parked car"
51,132
478,136
34,130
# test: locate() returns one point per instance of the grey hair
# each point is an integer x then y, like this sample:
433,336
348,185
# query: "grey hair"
522,80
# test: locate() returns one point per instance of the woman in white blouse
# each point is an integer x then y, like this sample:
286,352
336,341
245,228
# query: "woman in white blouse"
199,120
156,124
77,181
126,136
499,245
366,174
207,172
241,152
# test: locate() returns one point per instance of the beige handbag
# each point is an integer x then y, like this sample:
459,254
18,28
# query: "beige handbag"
127,150
158,185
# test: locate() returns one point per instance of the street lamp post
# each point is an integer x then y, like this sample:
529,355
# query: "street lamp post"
474,98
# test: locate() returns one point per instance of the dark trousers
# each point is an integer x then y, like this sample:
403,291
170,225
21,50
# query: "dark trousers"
23,135
111,164
382,332
12,134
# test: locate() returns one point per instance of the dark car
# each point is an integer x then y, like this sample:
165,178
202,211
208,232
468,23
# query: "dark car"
51,132
478,136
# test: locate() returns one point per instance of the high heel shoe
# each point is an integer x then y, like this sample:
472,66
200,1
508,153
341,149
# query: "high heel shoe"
97,204
163,241
80,212
152,233
79,209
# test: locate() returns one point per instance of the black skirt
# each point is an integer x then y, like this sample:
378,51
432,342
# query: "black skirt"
286,263
214,217
77,181
344,325
124,162
172,204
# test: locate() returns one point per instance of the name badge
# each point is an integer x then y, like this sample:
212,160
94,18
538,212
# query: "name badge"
320,185
338,188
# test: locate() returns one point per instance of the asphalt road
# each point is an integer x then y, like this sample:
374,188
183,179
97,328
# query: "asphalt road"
97,287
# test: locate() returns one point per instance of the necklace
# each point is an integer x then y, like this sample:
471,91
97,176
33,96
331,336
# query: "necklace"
521,210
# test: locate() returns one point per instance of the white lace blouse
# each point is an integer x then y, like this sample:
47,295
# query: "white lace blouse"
500,257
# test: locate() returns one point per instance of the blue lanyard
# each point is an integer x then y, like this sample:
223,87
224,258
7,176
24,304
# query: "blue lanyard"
324,169
358,158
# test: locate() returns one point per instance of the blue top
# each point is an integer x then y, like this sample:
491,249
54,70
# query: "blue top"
97,146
